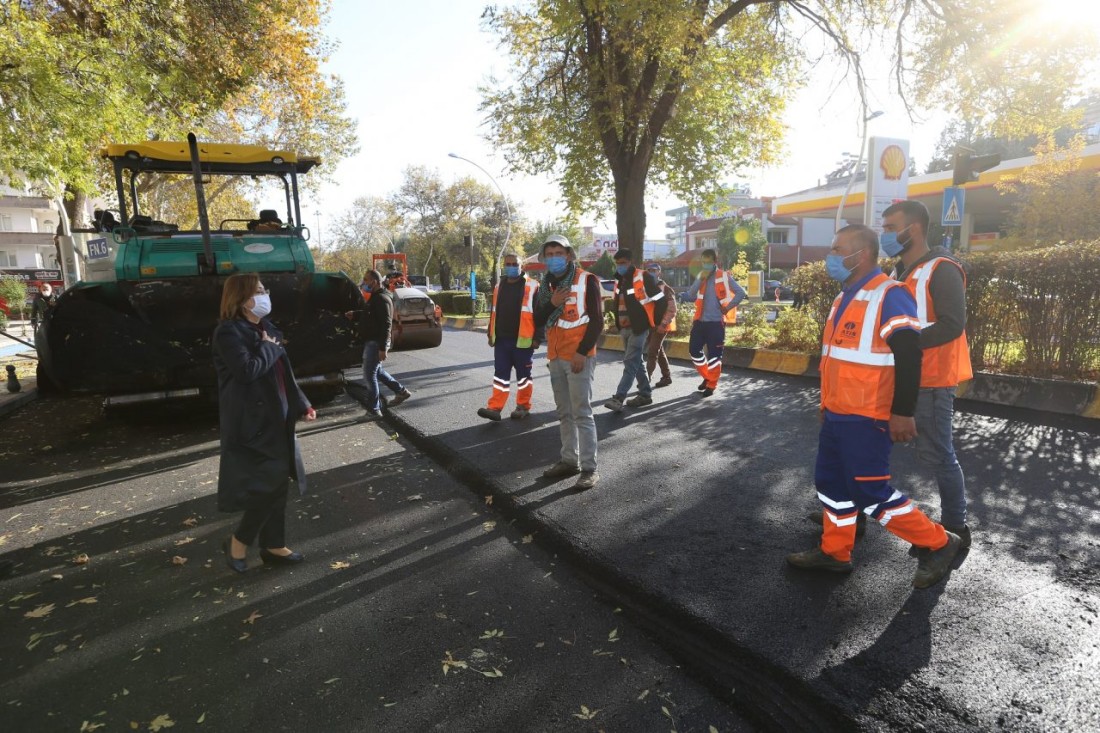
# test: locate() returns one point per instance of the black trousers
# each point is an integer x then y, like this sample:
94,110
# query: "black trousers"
265,517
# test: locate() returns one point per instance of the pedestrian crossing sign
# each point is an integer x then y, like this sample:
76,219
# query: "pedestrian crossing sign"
954,200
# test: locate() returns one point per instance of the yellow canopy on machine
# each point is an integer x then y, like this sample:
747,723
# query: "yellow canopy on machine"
221,154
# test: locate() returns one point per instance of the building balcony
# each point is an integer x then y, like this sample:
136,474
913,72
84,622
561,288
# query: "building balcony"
33,239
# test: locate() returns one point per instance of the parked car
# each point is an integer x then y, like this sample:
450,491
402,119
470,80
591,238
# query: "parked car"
608,287
770,286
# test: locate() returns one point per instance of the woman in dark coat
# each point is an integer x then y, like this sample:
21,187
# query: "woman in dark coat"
259,403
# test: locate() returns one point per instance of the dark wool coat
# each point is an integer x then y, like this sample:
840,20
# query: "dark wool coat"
258,448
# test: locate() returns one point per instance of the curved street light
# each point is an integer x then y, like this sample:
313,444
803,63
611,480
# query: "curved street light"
508,221
855,171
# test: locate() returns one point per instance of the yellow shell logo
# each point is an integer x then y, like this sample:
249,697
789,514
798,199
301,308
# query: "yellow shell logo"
892,162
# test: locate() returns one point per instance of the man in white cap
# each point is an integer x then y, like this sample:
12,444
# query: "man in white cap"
569,306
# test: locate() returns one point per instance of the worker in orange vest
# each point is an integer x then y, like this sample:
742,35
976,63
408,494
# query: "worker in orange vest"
716,297
870,376
639,306
514,338
938,283
570,307
654,348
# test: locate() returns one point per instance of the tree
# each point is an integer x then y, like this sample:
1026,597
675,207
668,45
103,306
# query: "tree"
539,231
604,267
81,74
742,235
611,97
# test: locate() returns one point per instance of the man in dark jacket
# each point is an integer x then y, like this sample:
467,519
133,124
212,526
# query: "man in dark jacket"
640,305
40,306
375,324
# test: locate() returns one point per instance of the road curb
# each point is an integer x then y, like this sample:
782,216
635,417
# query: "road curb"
1030,393
11,403
777,699
466,323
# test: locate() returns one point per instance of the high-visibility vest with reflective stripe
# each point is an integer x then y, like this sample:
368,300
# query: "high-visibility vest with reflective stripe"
526,314
722,290
947,364
857,366
565,336
648,303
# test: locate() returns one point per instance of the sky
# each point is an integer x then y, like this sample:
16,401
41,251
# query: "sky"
412,71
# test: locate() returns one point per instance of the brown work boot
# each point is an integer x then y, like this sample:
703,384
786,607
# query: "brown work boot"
933,565
561,469
816,559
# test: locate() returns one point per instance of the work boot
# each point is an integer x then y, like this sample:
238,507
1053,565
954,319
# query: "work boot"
933,565
702,386
708,392
963,532
586,480
488,414
639,401
520,412
615,404
665,381
400,397
561,469
816,559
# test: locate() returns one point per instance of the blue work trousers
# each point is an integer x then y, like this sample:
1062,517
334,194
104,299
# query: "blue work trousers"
633,366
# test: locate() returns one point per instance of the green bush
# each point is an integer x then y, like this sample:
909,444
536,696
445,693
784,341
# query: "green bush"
461,304
796,330
445,298
752,327
3,321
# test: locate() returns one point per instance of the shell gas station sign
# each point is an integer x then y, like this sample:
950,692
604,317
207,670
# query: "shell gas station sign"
887,177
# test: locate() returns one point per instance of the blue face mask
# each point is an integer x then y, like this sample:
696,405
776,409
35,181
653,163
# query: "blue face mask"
834,265
556,264
622,269
890,245
511,270
709,266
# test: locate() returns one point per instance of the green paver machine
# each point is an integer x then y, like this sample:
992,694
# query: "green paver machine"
140,325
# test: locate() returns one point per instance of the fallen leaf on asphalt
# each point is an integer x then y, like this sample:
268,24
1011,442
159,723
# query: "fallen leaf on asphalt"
492,634
495,673
711,729
488,499
528,539
53,551
81,559
585,713
252,617
22,597
36,639
489,526
340,565
161,722
56,576
201,718
41,611
643,696
177,560
190,522
185,541
244,637
334,679
540,644
86,601
450,662
86,726
614,635
414,497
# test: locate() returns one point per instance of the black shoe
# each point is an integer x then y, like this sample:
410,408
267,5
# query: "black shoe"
400,397
708,392
702,386
237,566
815,559
561,470
488,414
270,558
665,381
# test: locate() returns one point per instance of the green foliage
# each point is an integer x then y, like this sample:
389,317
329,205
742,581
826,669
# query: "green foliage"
14,293
685,316
796,330
742,236
752,327
604,267
461,303
537,234
817,289
777,274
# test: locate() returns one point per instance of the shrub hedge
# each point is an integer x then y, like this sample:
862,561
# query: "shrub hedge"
461,304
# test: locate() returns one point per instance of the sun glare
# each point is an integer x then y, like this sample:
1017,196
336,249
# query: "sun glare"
1084,15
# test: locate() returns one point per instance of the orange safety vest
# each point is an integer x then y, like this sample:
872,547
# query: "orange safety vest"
648,303
947,364
565,336
526,314
857,366
725,296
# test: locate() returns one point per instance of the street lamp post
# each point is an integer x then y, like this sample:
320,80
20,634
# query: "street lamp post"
508,222
855,171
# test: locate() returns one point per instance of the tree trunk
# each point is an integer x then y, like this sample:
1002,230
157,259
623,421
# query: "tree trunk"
630,210
75,205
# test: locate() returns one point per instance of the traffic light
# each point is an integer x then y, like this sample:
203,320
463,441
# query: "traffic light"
968,166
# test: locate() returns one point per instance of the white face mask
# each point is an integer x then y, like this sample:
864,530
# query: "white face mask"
261,305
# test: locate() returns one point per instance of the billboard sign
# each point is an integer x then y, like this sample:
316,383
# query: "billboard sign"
887,177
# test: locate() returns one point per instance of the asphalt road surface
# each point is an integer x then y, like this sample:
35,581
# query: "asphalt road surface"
418,607
700,501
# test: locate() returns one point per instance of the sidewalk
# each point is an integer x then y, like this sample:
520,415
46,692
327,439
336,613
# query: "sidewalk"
22,358
700,502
